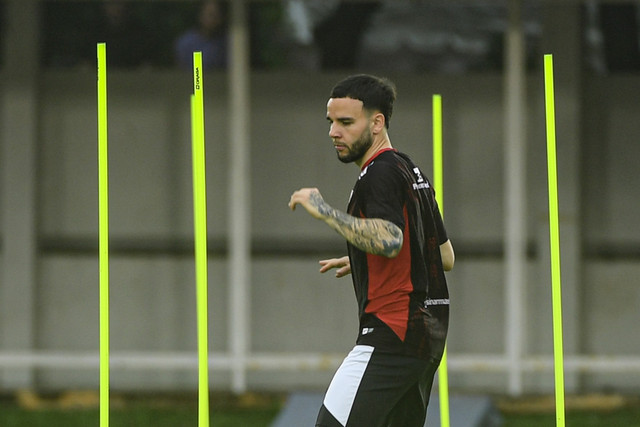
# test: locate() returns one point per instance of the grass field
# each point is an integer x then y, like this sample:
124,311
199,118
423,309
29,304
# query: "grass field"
81,409
259,410
581,411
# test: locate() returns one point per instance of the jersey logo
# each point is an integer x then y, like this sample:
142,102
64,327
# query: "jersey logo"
420,182
438,301
418,174
366,331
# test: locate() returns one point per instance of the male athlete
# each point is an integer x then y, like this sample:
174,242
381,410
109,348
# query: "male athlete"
398,251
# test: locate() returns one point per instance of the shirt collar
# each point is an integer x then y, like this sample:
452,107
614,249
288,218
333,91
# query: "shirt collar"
368,162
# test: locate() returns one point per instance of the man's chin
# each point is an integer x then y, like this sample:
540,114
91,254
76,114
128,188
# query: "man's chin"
346,159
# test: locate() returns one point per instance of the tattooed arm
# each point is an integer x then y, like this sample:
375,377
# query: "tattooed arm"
372,235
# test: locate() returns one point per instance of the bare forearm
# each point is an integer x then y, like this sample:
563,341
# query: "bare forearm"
371,235
374,236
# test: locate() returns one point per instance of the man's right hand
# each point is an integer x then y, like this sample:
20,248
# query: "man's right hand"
342,265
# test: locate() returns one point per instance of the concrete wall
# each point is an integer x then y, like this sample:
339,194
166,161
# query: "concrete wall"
293,308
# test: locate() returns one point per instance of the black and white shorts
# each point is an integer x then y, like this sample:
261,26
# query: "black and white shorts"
376,389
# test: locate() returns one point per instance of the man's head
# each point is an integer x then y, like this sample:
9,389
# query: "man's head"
359,111
376,94
211,17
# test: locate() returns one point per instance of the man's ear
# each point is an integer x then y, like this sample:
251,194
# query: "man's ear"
378,123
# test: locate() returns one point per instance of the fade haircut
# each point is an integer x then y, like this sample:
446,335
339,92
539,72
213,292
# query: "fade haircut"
376,93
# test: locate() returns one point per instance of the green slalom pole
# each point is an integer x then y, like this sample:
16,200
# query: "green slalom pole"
554,239
200,237
443,375
103,208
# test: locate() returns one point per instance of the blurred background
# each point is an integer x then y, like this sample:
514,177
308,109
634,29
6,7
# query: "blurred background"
276,324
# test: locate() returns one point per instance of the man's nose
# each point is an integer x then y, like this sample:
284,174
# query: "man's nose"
333,131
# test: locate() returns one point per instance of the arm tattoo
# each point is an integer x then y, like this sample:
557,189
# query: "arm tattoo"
372,235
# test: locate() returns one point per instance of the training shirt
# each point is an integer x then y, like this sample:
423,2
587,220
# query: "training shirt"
403,302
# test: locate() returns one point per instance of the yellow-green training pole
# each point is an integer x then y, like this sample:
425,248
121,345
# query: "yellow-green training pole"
554,239
103,207
443,375
200,237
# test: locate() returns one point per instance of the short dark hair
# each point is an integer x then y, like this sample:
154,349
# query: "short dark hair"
376,93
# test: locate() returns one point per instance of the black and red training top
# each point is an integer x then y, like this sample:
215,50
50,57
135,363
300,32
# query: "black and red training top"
403,302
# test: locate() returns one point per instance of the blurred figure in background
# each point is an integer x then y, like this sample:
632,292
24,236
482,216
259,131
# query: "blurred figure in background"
72,29
339,35
129,43
620,34
332,30
208,37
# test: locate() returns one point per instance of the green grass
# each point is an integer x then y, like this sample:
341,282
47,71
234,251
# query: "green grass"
138,416
251,410
166,411
629,417
134,417
591,410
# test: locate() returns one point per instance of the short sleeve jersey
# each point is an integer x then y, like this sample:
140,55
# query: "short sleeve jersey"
403,302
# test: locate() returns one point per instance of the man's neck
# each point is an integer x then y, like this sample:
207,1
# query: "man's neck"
383,143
